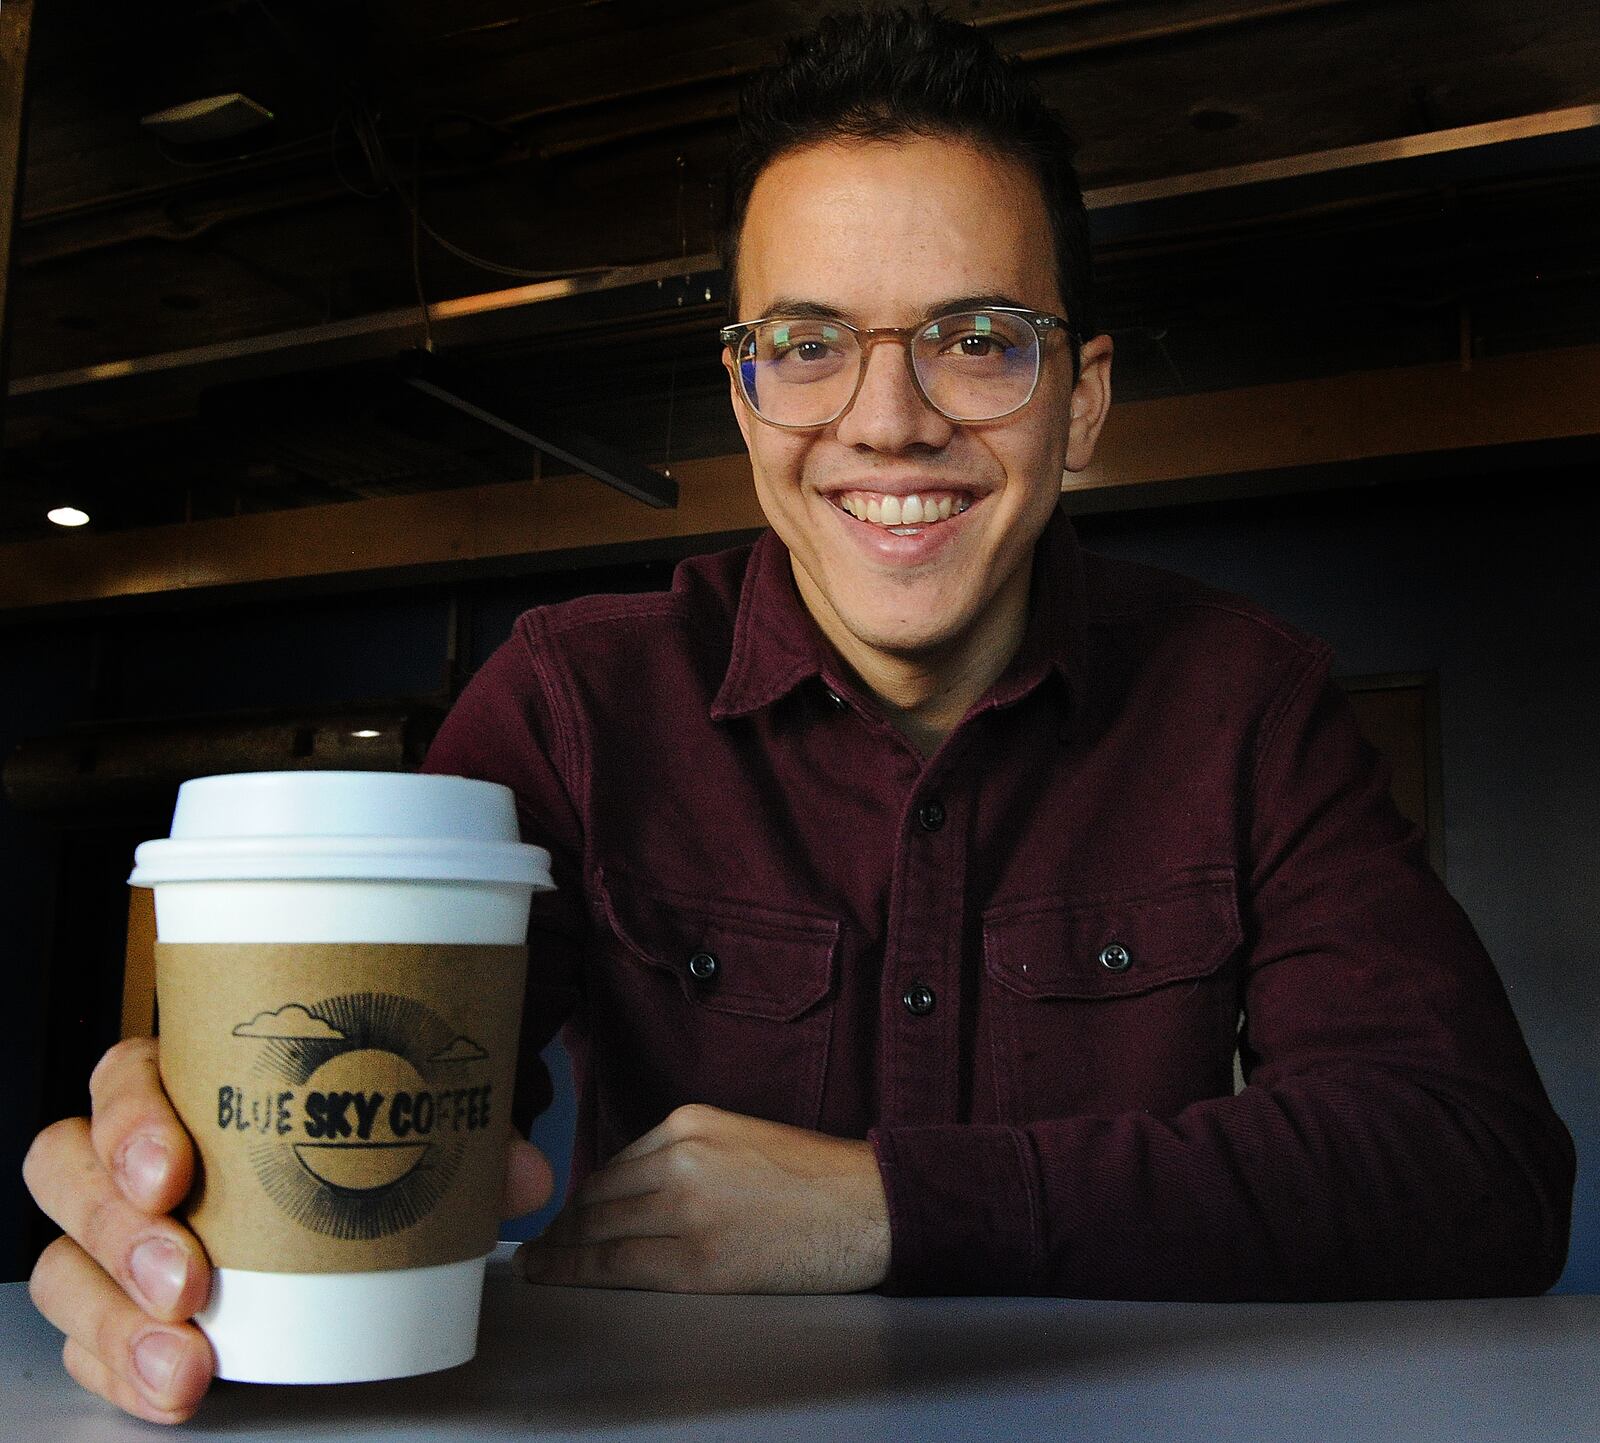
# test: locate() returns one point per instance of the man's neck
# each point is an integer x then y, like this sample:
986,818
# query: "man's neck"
925,694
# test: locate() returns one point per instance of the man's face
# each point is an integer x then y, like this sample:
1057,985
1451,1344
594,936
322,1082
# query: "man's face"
889,234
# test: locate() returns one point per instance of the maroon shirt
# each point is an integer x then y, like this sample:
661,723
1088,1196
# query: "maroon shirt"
1020,966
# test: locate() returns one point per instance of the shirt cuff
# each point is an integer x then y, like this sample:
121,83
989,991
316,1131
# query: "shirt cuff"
965,1211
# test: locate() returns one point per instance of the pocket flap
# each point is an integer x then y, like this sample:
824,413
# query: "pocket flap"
730,956
1091,947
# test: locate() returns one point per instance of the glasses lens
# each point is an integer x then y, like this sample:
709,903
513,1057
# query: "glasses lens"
977,365
799,372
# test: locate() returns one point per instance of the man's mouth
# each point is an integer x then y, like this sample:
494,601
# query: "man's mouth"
903,514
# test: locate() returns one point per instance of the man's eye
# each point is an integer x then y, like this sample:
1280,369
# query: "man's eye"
798,353
810,345
978,345
976,337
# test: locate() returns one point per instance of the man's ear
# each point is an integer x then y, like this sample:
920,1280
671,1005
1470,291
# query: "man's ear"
1091,399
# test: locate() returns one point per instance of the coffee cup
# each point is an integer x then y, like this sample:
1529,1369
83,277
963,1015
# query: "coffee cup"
340,965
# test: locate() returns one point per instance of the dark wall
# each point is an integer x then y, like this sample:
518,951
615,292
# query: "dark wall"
44,682
1494,585
1491,585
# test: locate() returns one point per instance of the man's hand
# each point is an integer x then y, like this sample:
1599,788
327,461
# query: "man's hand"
712,1202
126,1278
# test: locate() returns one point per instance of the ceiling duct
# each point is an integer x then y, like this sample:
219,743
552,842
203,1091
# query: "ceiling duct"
1526,145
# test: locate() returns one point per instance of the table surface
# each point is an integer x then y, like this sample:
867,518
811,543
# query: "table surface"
560,1363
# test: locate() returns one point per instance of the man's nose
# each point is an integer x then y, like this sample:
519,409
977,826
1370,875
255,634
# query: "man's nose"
889,413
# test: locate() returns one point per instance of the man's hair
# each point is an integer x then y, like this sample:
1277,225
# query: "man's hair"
890,74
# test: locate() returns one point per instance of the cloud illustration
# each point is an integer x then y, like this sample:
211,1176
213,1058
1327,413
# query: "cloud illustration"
463,1049
291,1021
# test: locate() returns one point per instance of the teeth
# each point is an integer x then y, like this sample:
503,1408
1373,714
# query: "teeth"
903,511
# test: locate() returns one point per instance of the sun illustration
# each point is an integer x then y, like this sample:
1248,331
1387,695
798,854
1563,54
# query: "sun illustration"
365,1065
363,1164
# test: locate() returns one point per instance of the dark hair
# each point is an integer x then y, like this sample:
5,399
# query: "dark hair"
886,74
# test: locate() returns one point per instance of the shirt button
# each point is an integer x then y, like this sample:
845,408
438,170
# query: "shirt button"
919,1000
1115,958
702,966
930,815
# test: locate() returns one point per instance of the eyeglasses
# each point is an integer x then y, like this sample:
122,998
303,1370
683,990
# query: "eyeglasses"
800,372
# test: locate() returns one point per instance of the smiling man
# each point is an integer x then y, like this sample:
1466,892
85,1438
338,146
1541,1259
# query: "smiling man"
919,874
910,405
923,874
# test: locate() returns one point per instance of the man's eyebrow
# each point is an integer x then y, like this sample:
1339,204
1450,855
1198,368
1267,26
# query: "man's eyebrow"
811,310
815,310
971,303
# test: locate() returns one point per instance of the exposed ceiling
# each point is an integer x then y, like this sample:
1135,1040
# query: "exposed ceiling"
566,139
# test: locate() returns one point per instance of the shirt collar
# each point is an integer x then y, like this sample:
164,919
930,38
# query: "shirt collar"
777,644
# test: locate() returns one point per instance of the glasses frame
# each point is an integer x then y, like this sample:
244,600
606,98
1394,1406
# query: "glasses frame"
1042,323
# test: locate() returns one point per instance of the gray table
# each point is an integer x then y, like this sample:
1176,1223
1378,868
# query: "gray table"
555,1363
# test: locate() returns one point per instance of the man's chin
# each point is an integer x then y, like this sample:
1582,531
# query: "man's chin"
905,640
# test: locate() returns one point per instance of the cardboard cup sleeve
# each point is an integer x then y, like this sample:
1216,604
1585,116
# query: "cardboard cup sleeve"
350,1102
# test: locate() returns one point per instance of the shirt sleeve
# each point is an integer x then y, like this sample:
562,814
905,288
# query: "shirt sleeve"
1393,1138
504,729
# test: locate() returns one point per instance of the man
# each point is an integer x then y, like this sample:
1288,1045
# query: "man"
914,868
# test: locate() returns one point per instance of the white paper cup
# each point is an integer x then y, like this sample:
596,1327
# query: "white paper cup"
339,862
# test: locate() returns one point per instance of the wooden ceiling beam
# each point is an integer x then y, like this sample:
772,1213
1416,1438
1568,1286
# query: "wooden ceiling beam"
16,29
1253,441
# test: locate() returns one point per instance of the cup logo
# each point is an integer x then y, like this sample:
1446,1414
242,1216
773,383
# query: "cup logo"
356,1110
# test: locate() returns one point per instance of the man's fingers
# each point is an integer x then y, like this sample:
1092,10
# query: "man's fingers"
658,1137
158,1264
646,1216
89,1372
528,1181
119,1352
654,1264
631,1177
137,1135
693,1119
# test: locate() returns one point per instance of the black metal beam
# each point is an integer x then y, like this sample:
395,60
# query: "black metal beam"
474,397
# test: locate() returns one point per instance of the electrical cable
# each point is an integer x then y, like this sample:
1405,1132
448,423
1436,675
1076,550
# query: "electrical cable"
347,116
171,154
416,241
375,152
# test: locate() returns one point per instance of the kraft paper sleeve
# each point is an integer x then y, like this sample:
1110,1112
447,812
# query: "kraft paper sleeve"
350,1102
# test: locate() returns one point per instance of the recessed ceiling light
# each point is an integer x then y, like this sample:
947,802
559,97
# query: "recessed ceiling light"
68,516
366,734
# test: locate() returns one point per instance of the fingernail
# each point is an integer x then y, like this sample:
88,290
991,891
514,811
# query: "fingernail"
156,1356
145,1166
160,1269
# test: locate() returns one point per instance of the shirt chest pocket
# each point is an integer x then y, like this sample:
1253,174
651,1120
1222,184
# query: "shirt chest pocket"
1113,1003
708,999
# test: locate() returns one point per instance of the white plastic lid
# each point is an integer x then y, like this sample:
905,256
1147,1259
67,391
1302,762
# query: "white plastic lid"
313,825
